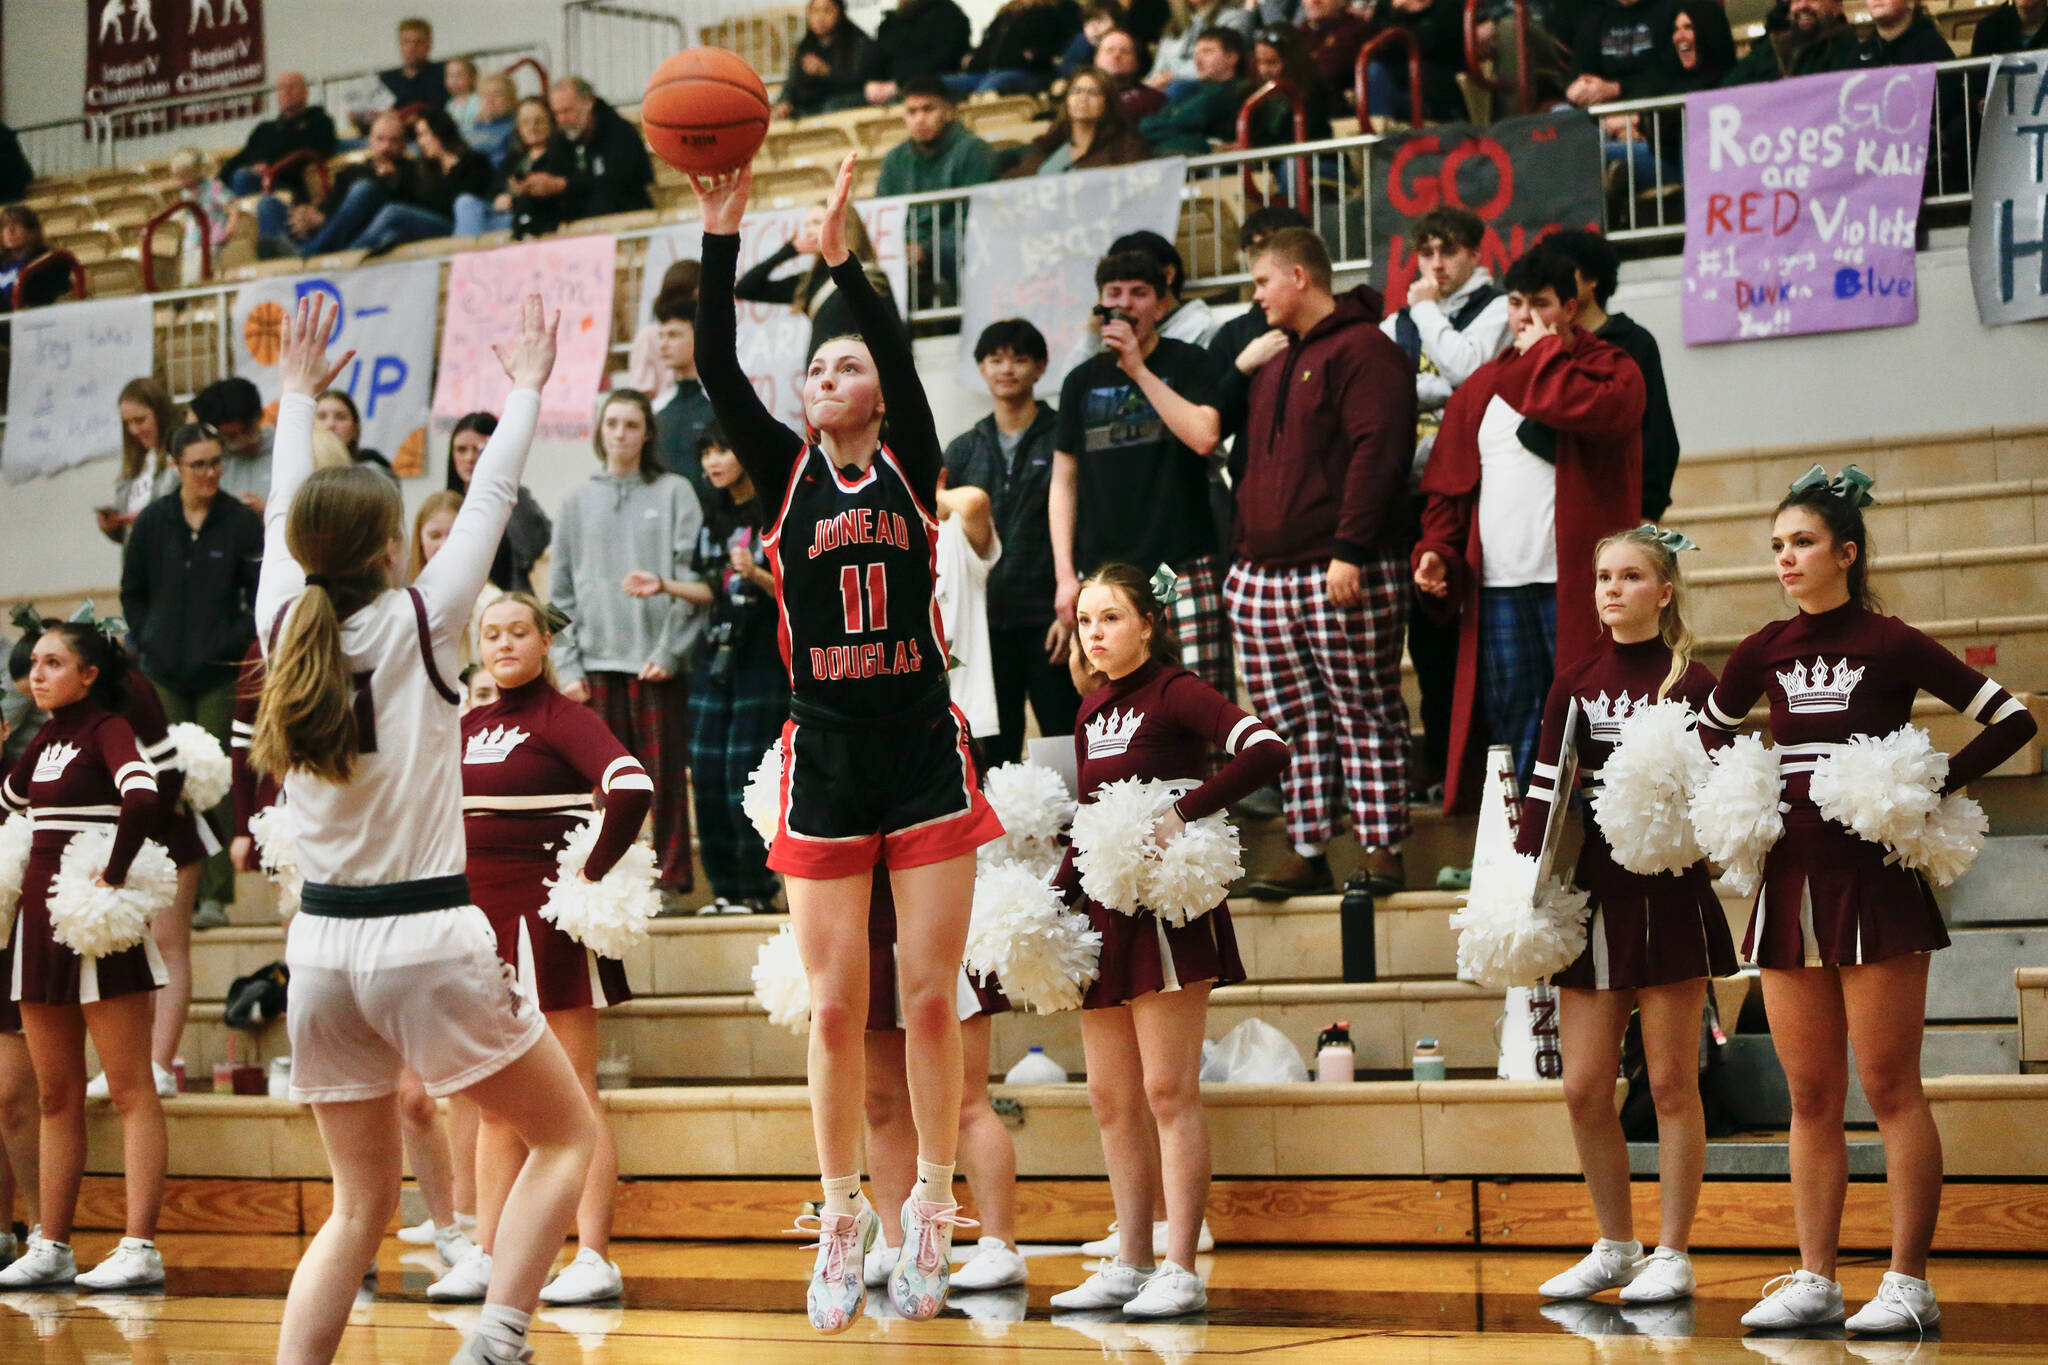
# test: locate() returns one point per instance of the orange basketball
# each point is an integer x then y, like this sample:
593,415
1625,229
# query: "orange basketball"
263,333
705,111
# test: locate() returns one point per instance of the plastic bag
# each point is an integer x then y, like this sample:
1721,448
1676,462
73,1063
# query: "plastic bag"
1253,1053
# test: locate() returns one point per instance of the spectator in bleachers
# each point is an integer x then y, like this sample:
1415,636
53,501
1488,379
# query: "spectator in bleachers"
494,130
1333,33
544,157
1119,55
147,470
682,411
298,126
1508,527
216,204
1098,19
1137,423
527,534
1317,592
448,170
941,153
1091,131
1702,48
1009,455
1796,34
1203,111
1146,21
21,244
16,175
1278,53
811,290
1622,51
2012,27
389,176
1180,318
1439,29
918,38
1020,50
188,589
465,101
1900,34
418,78
234,408
644,370
1246,342
334,411
612,174
1625,51
830,66
1598,267
1176,68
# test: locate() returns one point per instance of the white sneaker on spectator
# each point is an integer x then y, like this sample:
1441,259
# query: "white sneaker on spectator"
590,1278
718,906
451,1244
1800,1299
1109,1246
467,1282
1103,1246
1609,1265
993,1264
1171,1292
876,1265
1903,1304
1113,1286
43,1265
134,1264
1665,1275
98,1088
420,1234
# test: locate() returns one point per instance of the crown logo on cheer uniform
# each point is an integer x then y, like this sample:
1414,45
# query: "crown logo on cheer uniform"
494,745
51,763
1111,732
1825,689
1606,717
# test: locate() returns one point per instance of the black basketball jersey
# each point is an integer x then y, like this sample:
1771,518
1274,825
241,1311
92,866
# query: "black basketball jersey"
854,560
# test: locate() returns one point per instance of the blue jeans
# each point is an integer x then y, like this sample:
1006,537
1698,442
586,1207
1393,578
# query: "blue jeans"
474,216
1517,662
966,83
1644,165
246,180
350,217
399,223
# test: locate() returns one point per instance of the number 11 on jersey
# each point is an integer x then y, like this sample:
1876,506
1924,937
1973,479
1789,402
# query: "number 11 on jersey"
877,601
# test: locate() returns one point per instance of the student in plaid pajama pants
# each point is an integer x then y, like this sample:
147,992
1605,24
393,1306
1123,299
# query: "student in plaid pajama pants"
1318,597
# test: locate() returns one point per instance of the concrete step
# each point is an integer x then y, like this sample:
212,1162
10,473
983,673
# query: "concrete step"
1912,521
1927,586
2007,884
1937,459
1971,979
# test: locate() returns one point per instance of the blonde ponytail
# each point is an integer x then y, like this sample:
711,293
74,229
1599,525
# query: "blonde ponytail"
1671,627
340,529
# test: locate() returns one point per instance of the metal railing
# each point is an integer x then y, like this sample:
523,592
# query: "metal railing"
1361,71
616,47
67,146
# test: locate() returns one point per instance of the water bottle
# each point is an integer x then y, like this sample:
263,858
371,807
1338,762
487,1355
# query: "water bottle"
1035,1068
1355,930
1336,1061
1429,1060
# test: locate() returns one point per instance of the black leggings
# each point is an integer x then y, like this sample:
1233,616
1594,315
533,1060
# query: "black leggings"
1022,670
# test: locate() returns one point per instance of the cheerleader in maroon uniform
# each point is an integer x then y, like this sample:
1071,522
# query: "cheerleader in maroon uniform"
1841,929
1653,940
1144,1015
530,763
85,771
17,1092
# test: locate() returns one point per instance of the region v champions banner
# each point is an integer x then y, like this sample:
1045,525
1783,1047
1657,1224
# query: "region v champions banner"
2009,209
143,51
1802,199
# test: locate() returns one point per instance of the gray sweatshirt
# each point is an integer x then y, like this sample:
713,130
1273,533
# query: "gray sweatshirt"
608,528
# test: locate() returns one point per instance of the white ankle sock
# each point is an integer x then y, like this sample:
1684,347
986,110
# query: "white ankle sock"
842,1194
1631,1247
465,1221
934,1183
1309,850
503,1329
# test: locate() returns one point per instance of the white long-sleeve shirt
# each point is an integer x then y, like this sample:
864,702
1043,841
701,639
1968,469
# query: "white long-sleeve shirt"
1454,354
400,818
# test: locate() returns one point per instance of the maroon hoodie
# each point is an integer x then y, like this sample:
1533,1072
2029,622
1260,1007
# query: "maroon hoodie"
1331,434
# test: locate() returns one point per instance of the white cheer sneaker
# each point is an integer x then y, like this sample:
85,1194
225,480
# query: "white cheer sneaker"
468,1281
1903,1304
134,1264
99,1088
1665,1275
1172,1292
876,1265
991,1264
1109,1246
590,1278
1800,1299
44,1265
1113,1286
1609,1265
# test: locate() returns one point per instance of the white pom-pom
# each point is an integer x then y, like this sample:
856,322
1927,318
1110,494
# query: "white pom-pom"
1736,813
1123,867
762,798
1194,872
1513,933
94,920
1032,802
780,985
1883,789
1644,802
208,774
1948,841
1022,933
15,837
276,833
610,915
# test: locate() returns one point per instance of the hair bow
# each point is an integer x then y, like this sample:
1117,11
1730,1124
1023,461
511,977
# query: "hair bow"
554,618
1674,541
112,627
1165,585
26,617
1852,485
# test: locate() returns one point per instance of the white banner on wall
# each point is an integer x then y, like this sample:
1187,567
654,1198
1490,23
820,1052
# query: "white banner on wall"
64,388
2009,208
387,318
1031,247
773,337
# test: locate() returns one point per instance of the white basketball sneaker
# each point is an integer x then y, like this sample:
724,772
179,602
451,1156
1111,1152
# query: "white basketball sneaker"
134,1264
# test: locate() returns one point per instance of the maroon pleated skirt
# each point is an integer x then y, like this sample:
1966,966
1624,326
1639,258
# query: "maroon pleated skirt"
1829,899
177,829
555,971
1646,931
45,972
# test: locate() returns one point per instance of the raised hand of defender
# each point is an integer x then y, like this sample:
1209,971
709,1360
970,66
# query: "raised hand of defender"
302,362
722,199
531,356
832,232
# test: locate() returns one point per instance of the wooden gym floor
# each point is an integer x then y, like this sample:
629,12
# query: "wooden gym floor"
741,1303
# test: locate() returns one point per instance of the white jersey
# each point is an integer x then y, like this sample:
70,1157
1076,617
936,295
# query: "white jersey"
400,818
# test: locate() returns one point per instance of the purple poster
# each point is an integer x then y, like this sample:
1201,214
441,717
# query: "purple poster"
1801,202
